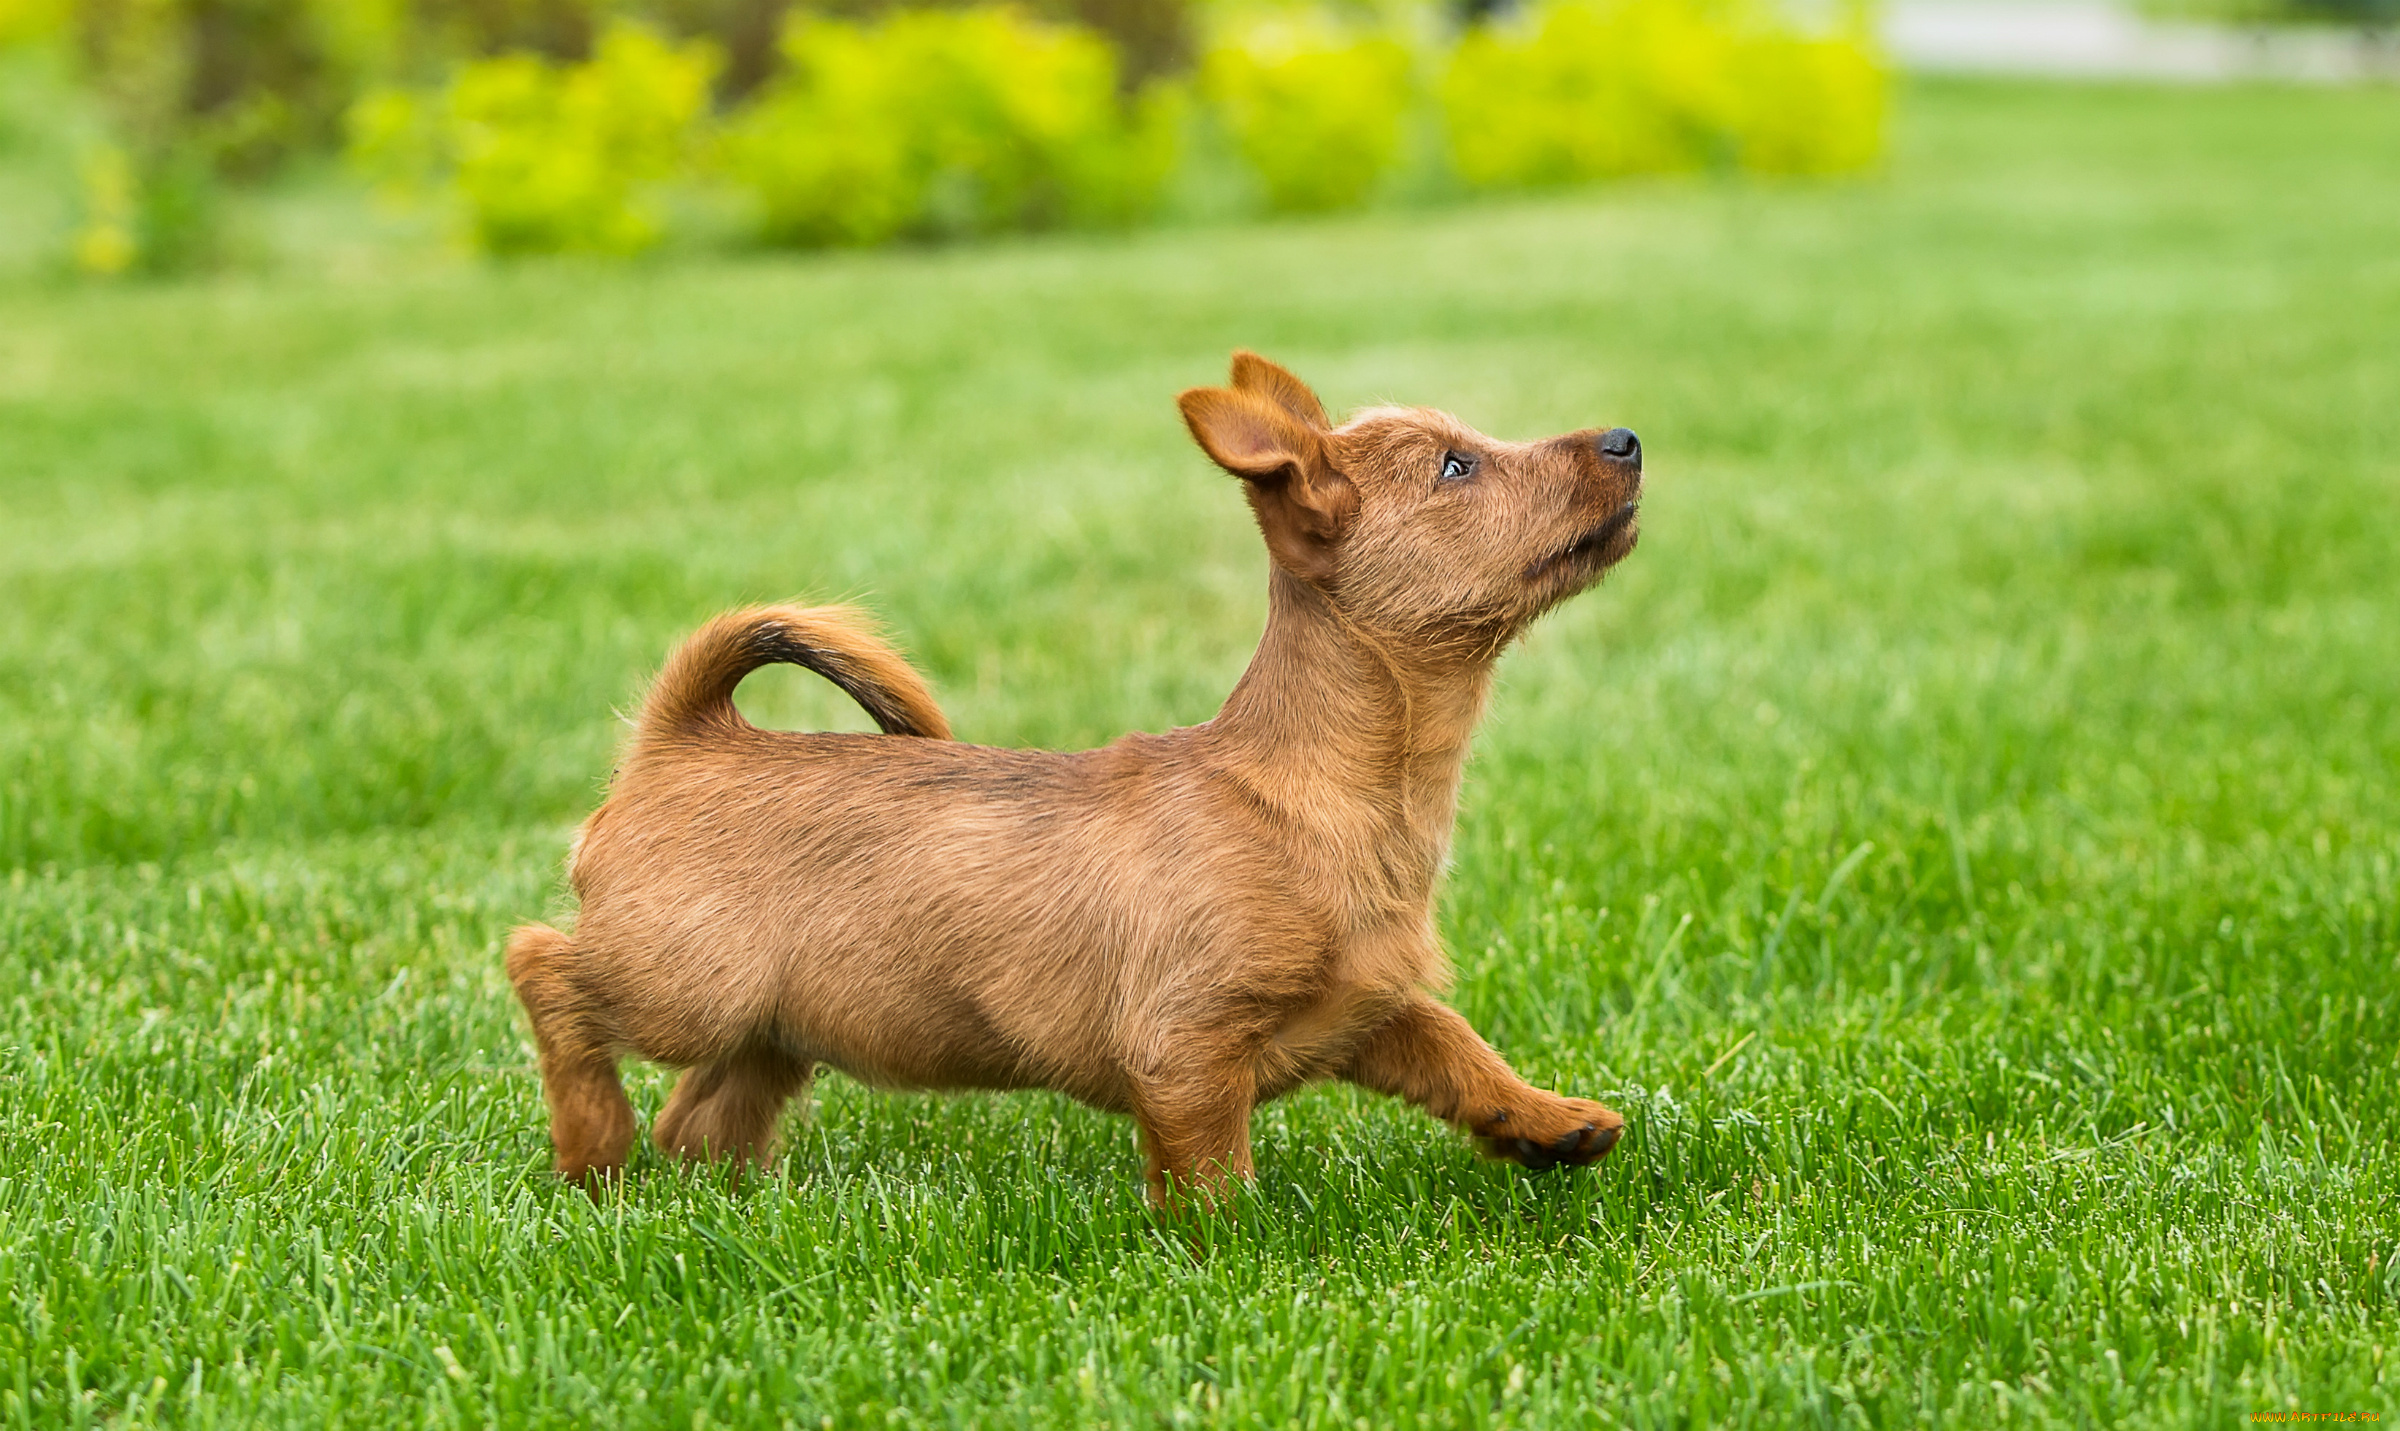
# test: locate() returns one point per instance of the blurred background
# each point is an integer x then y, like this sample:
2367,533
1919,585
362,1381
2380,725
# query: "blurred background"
1963,838
524,126
135,133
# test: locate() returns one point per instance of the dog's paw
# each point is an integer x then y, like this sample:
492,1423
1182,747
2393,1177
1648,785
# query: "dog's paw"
1569,1131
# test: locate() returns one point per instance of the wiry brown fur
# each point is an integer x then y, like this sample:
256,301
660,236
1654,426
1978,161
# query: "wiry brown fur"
1173,926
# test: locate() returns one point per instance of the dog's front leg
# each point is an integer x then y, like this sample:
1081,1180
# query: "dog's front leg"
1196,1128
1430,1056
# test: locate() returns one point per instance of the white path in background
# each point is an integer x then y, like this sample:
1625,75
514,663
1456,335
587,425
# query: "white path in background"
2096,40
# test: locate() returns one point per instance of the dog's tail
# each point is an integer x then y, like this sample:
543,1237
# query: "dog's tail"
695,690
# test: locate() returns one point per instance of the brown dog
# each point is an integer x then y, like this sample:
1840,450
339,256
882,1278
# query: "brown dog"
1174,926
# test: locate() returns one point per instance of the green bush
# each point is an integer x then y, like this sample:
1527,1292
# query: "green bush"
240,85
31,21
1584,89
168,115
156,213
917,123
543,157
1805,105
2368,14
948,122
1317,113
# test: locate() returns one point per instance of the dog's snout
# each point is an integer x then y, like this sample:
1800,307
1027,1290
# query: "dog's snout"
1619,444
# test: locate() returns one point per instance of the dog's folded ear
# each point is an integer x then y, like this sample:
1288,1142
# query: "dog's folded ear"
1254,374
1249,435
1301,499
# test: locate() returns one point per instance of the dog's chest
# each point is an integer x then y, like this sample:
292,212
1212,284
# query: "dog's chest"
1369,978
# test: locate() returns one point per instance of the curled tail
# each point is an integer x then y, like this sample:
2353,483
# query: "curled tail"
837,642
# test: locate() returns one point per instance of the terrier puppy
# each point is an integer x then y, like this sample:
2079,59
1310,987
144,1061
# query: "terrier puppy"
1175,926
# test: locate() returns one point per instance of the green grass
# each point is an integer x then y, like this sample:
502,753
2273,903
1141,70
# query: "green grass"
1963,839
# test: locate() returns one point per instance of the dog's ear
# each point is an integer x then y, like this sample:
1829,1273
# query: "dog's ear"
1254,374
1301,500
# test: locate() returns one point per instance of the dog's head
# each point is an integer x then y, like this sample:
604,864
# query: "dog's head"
1411,521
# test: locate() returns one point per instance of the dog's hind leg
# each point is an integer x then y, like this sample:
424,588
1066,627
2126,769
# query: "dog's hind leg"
1430,1056
591,1123
727,1108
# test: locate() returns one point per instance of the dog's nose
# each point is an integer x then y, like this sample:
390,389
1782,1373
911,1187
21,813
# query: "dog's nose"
1620,444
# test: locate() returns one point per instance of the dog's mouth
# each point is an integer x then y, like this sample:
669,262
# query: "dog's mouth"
1596,550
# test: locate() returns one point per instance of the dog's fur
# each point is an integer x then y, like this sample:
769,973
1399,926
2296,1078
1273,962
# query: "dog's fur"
1174,926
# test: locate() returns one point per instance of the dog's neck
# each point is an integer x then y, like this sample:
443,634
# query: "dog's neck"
1357,736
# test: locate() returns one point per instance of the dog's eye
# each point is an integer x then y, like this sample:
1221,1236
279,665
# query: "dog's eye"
1457,466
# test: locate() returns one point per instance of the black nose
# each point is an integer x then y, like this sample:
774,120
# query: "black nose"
1620,443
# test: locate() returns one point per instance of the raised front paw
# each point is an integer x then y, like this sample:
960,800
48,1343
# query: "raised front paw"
1559,1130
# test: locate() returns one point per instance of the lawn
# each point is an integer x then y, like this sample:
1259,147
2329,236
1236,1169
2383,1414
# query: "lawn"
1963,839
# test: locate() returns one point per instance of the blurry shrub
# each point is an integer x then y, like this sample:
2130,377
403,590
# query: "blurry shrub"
105,243
2367,14
2346,12
31,21
1152,38
1590,88
149,178
235,84
545,157
745,32
1316,113
923,122
1584,92
947,122
555,29
190,93
154,217
1805,105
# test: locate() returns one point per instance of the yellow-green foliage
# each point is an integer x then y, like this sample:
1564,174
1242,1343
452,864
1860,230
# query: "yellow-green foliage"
1316,113
153,213
106,243
1806,105
947,122
1589,88
964,121
544,157
24,21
